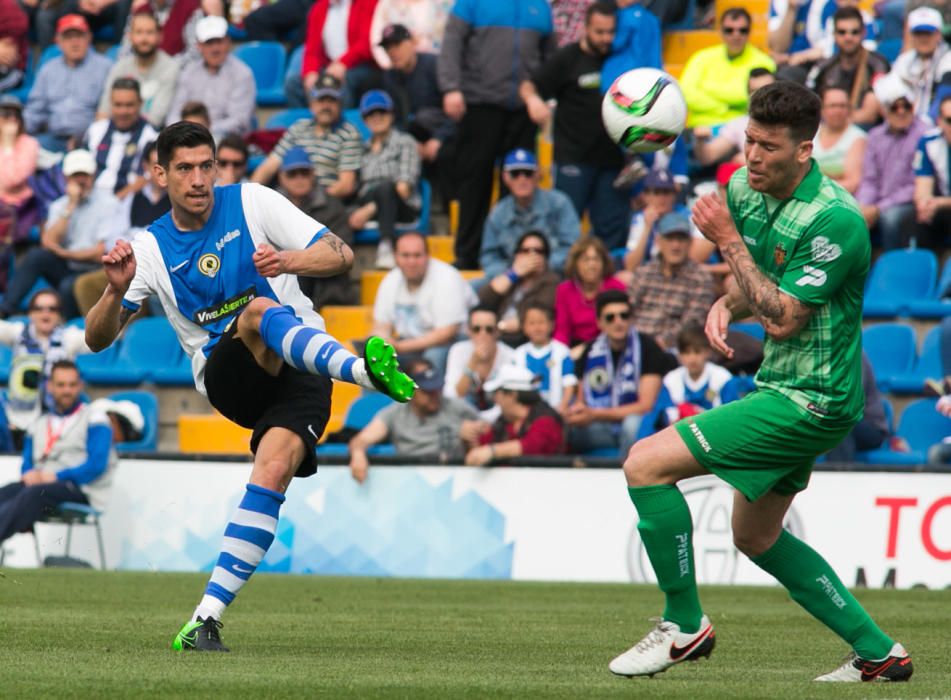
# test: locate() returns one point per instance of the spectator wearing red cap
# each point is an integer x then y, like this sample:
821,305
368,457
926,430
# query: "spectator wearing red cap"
338,42
63,101
223,83
98,14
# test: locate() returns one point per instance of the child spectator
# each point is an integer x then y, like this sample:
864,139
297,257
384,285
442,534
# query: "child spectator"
548,360
698,384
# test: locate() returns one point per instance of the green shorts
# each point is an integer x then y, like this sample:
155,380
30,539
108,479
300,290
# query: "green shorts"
763,442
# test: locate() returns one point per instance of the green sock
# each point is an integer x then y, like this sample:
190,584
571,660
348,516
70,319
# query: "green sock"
667,533
812,583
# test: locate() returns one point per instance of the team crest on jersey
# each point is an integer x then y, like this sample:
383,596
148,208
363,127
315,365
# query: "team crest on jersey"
209,264
598,379
779,255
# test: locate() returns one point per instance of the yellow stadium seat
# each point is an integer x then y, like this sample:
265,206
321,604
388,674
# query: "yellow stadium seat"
348,322
344,394
442,248
211,433
679,46
470,275
675,69
369,282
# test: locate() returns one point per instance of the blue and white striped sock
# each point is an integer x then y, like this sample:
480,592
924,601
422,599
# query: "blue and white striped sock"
247,538
310,350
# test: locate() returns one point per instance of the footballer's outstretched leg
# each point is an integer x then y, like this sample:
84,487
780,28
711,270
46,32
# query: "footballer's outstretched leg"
317,352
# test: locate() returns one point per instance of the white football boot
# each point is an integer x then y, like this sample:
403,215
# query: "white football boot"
895,667
664,646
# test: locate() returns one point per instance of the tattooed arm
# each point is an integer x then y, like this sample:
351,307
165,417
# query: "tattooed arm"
782,316
108,317
326,257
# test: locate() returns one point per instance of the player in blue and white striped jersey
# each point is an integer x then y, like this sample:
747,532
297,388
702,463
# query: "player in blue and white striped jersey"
223,263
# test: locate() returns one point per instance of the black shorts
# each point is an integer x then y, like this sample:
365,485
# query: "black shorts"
244,393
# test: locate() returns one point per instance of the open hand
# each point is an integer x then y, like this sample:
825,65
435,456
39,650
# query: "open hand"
716,329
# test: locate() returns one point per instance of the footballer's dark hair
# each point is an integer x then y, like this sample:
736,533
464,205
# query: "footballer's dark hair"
182,135
611,296
789,104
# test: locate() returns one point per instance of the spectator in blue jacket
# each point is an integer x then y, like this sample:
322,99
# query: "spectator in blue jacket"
636,42
489,48
67,456
527,208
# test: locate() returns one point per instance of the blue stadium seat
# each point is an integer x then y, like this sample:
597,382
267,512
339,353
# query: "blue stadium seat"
927,366
266,59
49,53
112,53
353,116
934,306
753,329
359,415
371,234
898,278
95,366
6,357
891,350
607,452
177,374
147,344
150,411
921,426
890,48
286,117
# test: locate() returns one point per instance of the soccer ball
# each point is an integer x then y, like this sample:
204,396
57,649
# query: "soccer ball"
644,110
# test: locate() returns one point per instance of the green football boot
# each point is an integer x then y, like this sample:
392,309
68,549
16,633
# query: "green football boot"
200,635
384,370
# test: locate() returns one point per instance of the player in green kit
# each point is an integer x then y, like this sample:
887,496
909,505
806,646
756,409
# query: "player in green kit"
799,250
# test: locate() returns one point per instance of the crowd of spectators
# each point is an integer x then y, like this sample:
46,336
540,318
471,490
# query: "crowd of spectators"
582,334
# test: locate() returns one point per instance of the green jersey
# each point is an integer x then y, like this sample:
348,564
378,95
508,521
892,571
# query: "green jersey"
815,246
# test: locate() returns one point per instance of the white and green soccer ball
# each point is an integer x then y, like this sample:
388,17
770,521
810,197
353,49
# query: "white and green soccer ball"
644,110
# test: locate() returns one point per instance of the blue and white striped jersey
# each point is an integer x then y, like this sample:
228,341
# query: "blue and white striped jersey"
204,278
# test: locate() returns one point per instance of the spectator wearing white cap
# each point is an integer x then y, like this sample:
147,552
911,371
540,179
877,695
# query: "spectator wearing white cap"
71,241
526,425
526,208
223,83
887,187
929,58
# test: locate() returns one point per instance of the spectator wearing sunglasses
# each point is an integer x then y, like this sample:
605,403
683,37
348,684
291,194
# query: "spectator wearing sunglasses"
527,208
473,362
232,160
297,180
620,374
37,343
714,79
527,282
886,191
933,182
852,67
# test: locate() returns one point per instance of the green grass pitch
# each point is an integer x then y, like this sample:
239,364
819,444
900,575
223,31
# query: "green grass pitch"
106,635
